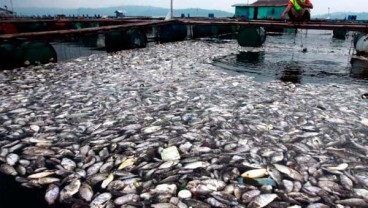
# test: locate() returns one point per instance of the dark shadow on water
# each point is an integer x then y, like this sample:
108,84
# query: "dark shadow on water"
13,195
295,67
359,68
250,57
292,73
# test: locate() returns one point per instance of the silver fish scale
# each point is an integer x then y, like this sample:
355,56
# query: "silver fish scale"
108,118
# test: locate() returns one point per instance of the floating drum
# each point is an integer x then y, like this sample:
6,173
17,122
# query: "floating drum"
7,56
339,34
361,43
251,36
200,31
33,53
171,33
122,40
18,54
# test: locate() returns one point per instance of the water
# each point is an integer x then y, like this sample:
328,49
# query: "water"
79,46
324,58
308,57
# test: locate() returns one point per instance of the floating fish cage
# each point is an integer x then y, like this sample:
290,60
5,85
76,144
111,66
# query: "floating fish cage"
251,36
121,40
200,31
173,32
24,53
340,34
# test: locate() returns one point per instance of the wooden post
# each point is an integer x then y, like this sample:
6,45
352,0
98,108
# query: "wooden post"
171,9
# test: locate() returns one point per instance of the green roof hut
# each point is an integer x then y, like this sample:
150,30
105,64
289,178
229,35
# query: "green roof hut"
261,9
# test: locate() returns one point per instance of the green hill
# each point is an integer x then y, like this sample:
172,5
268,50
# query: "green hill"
130,11
343,15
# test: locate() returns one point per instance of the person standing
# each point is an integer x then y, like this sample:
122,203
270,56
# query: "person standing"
298,10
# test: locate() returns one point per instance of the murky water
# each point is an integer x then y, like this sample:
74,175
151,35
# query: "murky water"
308,57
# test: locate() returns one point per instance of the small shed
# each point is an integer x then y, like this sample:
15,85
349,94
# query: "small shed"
261,9
120,13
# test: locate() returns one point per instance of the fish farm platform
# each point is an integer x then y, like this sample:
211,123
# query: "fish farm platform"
124,24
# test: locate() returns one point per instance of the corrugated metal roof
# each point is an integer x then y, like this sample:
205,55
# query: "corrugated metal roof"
260,3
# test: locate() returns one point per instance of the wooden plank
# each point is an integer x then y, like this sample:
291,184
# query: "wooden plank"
312,25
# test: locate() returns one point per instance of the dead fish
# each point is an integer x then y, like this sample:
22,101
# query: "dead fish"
225,198
249,195
257,173
127,163
132,127
107,181
195,165
151,129
353,202
215,203
262,200
41,174
12,159
8,170
100,200
47,180
362,193
85,192
342,166
35,128
52,193
164,189
346,182
68,164
37,151
126,199
69,190
318,205
95,168
289,172
163,205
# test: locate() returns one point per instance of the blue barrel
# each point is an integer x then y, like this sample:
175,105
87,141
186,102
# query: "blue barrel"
171,33
251,36
123,40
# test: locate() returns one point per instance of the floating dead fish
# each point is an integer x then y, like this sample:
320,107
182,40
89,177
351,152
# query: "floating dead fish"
127,163
342,166
262,200
100,200
85,192
257,173
52,193
289,172
69,190
41,174
8,170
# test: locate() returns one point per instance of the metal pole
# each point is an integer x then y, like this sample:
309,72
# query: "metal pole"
11,4
171,10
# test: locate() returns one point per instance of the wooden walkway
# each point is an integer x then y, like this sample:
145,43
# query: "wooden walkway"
124,24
